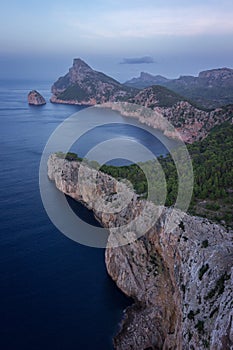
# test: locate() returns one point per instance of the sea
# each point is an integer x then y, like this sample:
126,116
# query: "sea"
55,293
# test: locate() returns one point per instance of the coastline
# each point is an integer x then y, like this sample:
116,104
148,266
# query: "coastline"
165,271
146,116
55,100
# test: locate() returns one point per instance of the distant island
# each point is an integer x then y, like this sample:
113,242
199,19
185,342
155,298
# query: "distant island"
35,98
84,86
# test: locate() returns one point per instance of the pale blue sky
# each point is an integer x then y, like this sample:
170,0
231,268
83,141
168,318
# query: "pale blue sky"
40,38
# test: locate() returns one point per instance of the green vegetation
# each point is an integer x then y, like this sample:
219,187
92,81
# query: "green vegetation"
212,161
69,156
74,92
165,97
213,173
212,206
204,96
133,173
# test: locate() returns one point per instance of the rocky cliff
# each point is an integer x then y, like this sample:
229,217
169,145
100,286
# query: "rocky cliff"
35,98
180,277
192,124
83,85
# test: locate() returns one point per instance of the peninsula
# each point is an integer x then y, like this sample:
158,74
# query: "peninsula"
179,277
84,86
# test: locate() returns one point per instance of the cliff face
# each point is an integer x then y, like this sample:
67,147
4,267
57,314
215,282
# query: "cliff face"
83,85
192,124
181,278
35,98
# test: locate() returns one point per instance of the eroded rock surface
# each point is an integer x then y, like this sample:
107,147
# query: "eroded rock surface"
190,123
35,98
180,276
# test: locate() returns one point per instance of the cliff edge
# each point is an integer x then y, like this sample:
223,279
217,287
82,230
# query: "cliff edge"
180,278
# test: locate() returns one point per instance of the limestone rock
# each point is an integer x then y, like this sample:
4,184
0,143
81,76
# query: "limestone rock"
35,98
191,124
180,277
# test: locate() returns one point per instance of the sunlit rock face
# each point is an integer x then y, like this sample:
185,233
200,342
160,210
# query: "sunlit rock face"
179,276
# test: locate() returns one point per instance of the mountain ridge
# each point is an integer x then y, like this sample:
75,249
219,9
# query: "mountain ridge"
84,86
211,89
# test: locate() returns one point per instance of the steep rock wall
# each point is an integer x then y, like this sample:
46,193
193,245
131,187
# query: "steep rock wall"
181,279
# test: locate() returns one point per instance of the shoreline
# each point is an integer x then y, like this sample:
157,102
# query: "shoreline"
145,116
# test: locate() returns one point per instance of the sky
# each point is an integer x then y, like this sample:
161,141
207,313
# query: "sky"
39,39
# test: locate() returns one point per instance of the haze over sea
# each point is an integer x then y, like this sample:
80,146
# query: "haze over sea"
55,293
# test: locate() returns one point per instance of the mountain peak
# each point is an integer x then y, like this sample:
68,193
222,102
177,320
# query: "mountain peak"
85,85
78,62
80,66
146,80
146,76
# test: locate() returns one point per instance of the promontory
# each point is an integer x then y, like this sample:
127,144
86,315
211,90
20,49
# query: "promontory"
179,276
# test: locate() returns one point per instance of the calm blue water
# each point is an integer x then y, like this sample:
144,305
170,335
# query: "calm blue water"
54,293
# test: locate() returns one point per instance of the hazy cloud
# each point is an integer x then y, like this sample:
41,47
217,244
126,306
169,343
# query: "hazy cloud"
137,60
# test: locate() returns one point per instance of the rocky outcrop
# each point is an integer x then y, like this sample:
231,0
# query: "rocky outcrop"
85,86
179,276
35,98
191,124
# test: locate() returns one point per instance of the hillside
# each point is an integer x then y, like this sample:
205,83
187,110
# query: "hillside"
212,161
83,85
156,96
191,124
211,89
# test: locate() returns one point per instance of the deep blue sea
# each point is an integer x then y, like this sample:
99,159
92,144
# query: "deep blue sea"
54,293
